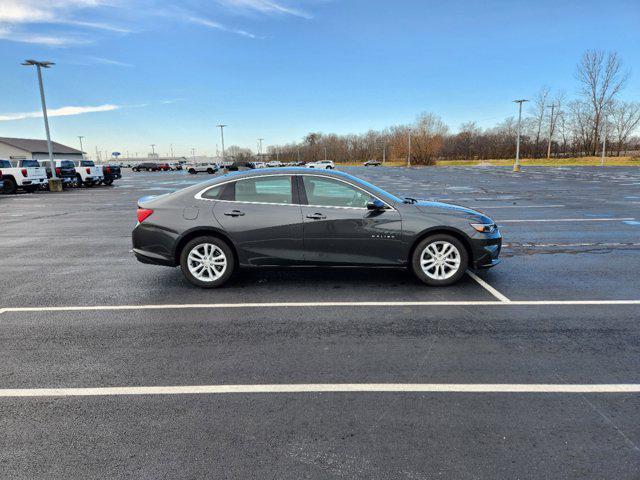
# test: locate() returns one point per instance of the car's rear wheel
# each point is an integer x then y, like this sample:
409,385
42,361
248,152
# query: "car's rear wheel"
439,260
207,261
192,171
210,171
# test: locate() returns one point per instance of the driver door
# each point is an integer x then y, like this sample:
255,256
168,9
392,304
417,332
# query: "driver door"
338,229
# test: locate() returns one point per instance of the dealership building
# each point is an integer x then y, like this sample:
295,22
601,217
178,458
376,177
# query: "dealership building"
27,149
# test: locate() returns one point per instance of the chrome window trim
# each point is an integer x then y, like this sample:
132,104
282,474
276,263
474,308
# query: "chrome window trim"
198,196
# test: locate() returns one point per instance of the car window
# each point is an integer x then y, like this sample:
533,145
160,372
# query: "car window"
213,193
29,163
67,164
87,163
271,189
327,192
5,164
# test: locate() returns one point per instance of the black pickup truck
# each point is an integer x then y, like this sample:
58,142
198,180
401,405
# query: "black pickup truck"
111,173
65,171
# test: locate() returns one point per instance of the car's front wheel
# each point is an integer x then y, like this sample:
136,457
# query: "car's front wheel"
439,260
207,262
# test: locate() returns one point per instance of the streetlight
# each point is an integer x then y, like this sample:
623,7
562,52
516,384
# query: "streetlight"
409,155
55,185
552,106
260,148
516,165
604,137
153,150
221,126
80,137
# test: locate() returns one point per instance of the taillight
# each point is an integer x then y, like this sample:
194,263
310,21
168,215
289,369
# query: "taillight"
24,172
58,171
143,214
88,170
108,169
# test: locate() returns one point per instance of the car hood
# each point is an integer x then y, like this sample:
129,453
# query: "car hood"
448,208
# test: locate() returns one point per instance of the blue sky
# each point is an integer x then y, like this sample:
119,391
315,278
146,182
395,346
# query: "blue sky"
164,72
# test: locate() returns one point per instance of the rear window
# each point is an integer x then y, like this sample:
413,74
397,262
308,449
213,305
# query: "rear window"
67,164
213,193
29,163
87,163
5,164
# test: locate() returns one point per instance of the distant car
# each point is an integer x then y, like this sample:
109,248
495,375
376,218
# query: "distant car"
25,174
259,165
1,182
110,173
325,164
164,167
175,166
275,164
148,166
87,173
65,171
372,163
205,167
296,217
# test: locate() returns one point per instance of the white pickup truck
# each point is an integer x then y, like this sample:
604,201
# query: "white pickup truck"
87,173
194,168
25,174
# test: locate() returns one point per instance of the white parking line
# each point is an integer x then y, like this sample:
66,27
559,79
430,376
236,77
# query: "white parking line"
490,207
488,287
521,220
177,306
327,387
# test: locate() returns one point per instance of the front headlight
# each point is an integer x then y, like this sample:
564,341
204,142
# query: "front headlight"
484,227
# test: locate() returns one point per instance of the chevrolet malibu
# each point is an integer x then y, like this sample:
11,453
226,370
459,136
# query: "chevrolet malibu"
299,217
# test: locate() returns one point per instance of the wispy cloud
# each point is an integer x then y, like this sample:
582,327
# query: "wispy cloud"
60,112
215,25
264,6
86,60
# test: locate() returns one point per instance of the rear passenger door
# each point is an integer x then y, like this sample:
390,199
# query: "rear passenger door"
263,218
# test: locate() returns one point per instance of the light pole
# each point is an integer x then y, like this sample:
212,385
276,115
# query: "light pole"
552,106
516,165
409,155
171,147
153,150
384,153
260,148
80,137
193,154
221,126
325,152
604,138
54,184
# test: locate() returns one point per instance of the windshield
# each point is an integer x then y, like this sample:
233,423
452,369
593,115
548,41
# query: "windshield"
379,191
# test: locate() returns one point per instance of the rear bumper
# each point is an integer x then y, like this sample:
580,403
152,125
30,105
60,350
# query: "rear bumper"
151,258
154,245
112,176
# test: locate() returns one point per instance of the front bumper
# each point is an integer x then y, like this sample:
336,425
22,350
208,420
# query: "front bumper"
486,251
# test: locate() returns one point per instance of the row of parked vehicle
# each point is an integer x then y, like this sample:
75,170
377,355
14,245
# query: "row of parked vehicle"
32,175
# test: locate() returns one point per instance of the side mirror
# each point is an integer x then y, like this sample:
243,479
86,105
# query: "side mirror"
375,205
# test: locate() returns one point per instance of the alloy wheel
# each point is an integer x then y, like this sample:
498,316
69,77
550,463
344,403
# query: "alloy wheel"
440,260
207,262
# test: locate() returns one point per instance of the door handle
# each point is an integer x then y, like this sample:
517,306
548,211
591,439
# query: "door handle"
317,216
234,213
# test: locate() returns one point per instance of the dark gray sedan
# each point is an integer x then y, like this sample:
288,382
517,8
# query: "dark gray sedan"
296,216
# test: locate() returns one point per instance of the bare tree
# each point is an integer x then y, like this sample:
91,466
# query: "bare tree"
625,118
538,110
602,78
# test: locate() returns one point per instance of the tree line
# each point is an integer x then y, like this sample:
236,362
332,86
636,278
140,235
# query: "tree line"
552,125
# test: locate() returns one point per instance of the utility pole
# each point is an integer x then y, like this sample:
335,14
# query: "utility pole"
153,150
97,154
260,148
55,185
171,147
604,139
409,155
221,126
552,106
516,165
80,137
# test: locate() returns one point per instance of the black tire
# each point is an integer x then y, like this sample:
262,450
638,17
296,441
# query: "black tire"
192,171
107,182
219,243
329,168
417,256
89,183
79,181
210,171
9,186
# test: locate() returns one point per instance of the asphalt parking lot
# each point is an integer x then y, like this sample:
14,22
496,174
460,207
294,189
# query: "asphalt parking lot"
528,370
